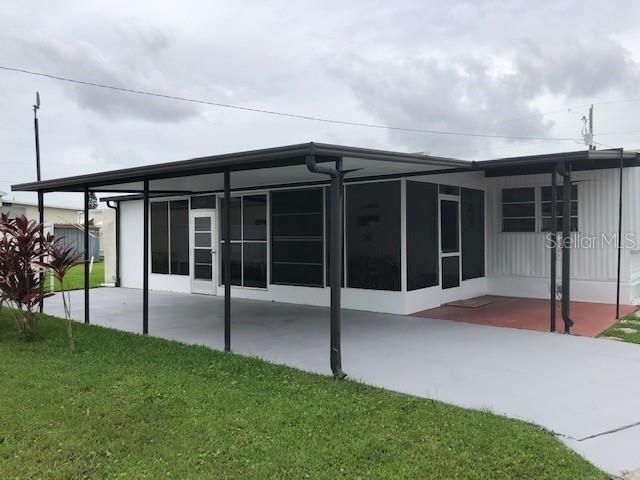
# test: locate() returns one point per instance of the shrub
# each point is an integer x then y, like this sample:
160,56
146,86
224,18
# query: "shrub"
22,244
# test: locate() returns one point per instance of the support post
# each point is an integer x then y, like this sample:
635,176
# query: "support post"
117,220
336,269
41,221
145,260
226,258
619,237
86,255
553,237
566,247
335,260
116,211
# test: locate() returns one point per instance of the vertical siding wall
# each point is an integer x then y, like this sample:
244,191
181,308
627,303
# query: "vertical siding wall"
525,254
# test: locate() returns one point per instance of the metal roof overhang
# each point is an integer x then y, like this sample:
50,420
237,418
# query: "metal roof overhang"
280,165
579,160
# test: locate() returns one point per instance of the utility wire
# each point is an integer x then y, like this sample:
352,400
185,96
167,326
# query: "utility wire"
278,113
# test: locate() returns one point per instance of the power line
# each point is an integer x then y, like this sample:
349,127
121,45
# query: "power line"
278,113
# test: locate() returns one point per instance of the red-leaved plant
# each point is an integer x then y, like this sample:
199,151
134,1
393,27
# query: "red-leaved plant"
22,244
60,260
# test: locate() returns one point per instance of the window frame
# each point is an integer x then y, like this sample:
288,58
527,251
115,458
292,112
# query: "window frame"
533,202
168,202
538,204
242,241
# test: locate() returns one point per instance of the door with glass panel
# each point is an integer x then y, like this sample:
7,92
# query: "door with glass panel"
450,236
203,252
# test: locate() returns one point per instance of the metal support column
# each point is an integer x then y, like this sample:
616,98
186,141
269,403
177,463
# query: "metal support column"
117,221
335,260
41,221
553,237
226,259
145,260
566,246
619,236
336,270
87,246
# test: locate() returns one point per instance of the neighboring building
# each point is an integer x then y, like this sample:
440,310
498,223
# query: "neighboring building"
52,214
66,223
419,231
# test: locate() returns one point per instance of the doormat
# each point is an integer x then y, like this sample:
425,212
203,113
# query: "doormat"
470,303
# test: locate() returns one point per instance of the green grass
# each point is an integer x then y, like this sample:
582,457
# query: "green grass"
74,280
627,329
126,406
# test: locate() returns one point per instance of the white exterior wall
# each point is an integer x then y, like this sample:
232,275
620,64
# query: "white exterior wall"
519,263
516,264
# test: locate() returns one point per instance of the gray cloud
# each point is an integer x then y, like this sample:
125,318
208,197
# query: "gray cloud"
459,65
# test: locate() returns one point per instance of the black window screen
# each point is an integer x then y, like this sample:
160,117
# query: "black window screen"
422,235
297,237
327,236
373,235
472,224
519,209
545,204
179,231
248,240
203,201
450,271
449,226
160,237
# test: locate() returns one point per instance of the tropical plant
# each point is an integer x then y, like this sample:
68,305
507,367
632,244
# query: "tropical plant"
60,260
22,245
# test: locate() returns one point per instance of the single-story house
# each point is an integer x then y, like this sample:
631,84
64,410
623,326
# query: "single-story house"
410,231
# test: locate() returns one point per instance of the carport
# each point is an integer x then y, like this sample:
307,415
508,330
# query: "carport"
333,166
305,164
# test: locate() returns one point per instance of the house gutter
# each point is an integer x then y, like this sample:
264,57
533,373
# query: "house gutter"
335,268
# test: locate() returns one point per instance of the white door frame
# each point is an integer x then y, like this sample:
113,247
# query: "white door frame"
207,287
457,199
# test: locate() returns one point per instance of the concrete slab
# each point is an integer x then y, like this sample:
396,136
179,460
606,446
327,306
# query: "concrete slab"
577,387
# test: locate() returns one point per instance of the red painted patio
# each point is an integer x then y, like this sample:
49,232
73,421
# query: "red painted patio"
590,319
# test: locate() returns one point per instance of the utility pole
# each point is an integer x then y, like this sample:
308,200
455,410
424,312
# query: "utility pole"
592,145
36,107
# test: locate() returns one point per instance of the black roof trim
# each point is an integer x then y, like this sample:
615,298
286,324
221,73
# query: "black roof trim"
249,160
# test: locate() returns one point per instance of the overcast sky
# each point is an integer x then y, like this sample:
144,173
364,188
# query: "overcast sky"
482,66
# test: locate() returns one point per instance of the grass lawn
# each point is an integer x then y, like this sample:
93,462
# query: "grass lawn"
627,329
74,280
126,406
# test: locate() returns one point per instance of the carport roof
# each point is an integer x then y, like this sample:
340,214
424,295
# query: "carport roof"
286,156
286,166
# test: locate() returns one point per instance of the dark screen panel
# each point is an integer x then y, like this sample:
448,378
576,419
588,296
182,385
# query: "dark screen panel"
254,217
254,265
472,224
422,235
373,235
236,218
159,237
297,237
327,237
236,264
449,226
450,272
203,201
179,234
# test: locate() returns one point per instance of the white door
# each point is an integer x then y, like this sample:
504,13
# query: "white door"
203,252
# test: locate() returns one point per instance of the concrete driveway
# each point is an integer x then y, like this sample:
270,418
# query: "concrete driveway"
585,390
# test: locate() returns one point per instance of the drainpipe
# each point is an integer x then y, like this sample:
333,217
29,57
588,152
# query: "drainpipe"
337,178
553,246
565,172
116,209
619,237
